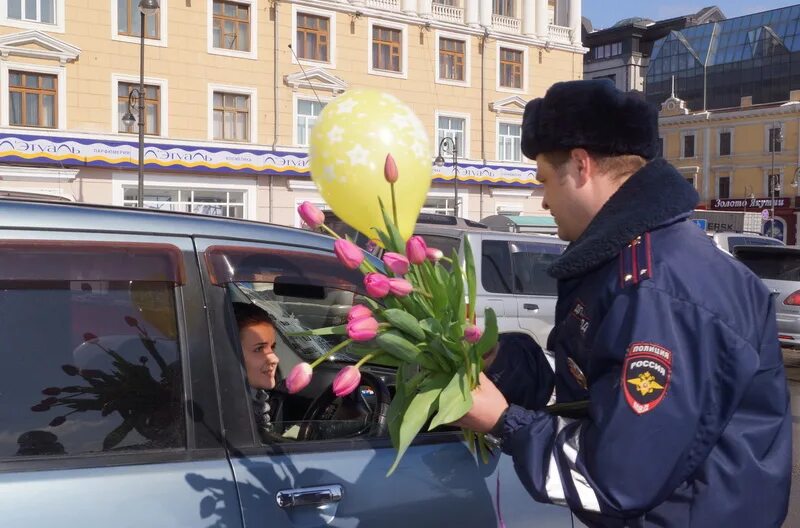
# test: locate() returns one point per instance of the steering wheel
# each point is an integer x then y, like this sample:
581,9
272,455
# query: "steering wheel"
318,412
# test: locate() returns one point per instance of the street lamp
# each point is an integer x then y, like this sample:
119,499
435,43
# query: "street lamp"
449,144
146,8
775,137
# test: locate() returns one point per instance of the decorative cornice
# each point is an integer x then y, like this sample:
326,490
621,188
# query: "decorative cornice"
20,173
317,79
790,107
54,49
510,105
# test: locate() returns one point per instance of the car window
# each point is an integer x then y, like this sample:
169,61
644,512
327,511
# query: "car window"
446,244
496,266
772,265
530,262
91,360
735,241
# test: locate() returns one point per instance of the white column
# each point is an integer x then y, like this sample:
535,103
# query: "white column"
528,17
486,13
471,17
575,20
409,6
541,19
424,8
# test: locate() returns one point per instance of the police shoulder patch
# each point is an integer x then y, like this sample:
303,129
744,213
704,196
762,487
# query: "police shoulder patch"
646,374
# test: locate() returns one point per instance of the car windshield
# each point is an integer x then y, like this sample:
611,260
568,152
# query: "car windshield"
735,241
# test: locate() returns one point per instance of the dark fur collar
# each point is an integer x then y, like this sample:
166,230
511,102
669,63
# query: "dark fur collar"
655,195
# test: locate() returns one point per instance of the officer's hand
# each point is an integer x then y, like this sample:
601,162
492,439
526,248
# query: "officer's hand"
488,405
490,356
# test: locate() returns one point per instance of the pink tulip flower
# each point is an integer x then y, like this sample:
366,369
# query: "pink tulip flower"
362,329
346,381
415,249
434,255
472,334
377,285
348,253
311,215
390,169
396,262
400,287
358,311
299,378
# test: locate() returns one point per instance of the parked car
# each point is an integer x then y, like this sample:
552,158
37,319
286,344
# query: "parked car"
728,241
511,269
125,401
779,268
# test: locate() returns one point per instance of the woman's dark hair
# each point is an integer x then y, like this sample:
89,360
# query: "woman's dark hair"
249,314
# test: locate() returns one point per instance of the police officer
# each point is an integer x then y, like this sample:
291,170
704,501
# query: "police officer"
672,343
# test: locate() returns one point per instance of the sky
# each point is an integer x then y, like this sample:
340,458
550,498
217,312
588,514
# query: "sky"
603,15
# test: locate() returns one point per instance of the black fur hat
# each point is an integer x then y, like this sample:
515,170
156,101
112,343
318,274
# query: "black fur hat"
593,115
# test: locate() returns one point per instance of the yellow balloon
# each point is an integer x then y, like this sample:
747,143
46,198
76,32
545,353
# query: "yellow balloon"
349,145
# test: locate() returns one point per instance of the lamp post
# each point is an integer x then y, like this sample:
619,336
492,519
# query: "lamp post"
146,7
775,137
448,143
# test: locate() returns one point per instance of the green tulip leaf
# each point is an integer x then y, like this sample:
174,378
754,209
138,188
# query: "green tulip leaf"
395,344
469,261
398,244
431,326
406,322
454,401
489,337
328,330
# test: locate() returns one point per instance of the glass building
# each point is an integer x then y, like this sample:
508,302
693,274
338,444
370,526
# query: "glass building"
714,65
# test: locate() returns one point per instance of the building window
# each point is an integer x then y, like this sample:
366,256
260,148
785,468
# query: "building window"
313,37
152,108
690,180
129,20
774,185
688,146
307,115
511,62
608,50
386,49
33,99
43,11
724,187
503,7
775,140
231,26
452,54
231,116
215,202
453,127
725,143
508,142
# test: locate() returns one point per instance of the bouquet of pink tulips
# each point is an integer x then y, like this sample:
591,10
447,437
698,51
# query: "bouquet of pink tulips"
420,314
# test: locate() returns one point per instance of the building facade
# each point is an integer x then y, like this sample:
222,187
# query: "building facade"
232,89
742,155
621,53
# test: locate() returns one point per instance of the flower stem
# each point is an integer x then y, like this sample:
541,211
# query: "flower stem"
394,205
330,352
330,231
366,358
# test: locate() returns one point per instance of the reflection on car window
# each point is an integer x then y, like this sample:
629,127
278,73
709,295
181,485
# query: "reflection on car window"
89,366
496,266
531,261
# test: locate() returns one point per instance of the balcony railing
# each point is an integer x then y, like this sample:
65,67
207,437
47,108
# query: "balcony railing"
560,34
448,13
389,5
506,24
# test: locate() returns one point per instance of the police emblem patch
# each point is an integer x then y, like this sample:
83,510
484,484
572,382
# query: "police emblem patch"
645,375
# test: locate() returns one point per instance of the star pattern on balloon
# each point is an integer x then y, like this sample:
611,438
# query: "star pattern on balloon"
346,106
335,134
358,155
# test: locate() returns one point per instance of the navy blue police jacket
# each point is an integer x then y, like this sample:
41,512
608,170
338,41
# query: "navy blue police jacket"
674,343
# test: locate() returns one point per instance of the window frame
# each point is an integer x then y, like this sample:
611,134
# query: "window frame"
58,26
498,5
457,115
252,118
721,131
768,176
718,187
61,93
498,151
524,70
213,50
467,40
768,132
331,16
40,93
684,135
296,98
163,106
372,23
161,41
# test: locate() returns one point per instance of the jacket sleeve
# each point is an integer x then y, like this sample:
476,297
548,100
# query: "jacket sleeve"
521,372
634,449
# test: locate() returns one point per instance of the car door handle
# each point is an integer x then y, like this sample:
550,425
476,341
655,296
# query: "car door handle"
317,496
530,306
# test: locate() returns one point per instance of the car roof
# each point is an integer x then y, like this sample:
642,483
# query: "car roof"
64,216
